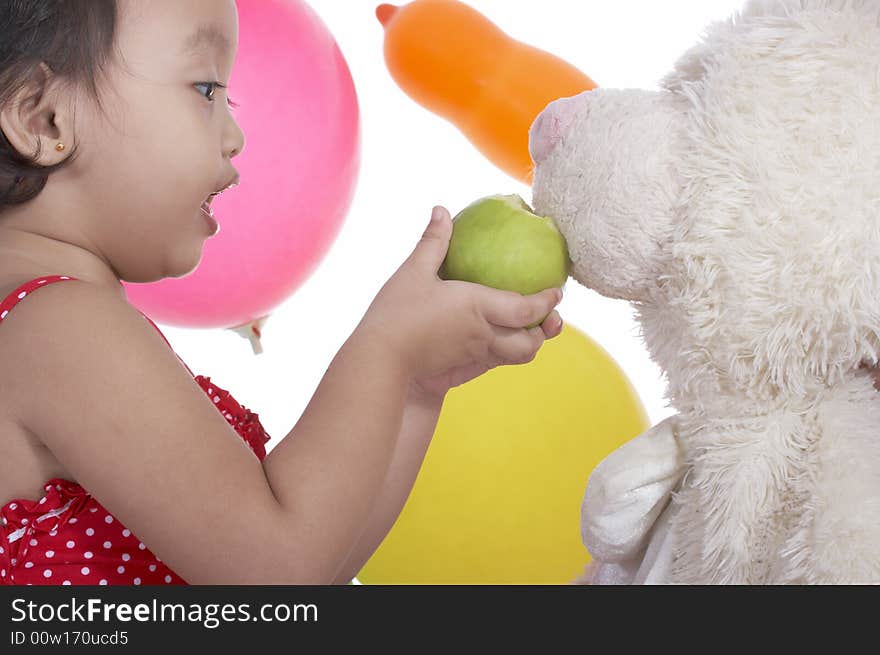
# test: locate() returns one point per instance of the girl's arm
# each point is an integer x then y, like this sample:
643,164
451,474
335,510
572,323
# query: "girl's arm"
423,405
94,382
127,422
420,417
341,450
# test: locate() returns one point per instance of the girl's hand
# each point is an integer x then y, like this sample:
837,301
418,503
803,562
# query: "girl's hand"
434,388
446,332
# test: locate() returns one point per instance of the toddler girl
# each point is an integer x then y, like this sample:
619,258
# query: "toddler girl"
119,465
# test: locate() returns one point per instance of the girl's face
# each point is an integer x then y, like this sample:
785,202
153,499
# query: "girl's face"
162,144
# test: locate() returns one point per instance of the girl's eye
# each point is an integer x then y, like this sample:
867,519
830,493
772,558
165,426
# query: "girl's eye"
211,87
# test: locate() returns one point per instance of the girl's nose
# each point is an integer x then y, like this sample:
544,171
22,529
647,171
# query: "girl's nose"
234,139
549,127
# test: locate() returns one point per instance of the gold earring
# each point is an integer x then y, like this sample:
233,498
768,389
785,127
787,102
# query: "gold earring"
59,147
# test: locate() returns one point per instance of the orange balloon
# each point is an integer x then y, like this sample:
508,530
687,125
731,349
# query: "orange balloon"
455,62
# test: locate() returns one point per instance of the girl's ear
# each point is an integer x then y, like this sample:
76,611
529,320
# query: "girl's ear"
34,121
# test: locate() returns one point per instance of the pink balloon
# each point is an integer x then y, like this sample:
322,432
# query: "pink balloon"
299,112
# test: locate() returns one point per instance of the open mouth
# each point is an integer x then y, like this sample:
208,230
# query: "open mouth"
206,204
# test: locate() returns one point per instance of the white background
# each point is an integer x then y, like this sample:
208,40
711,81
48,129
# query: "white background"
412,160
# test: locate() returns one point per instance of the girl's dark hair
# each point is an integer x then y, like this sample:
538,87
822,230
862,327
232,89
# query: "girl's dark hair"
74,38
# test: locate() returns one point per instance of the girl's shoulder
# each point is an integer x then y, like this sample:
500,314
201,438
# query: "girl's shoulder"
41,295
29,299
15,287
39,315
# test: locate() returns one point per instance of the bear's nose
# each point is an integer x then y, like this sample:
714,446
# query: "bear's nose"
549,128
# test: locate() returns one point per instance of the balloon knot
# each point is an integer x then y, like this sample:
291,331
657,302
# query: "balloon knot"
252,332
385,13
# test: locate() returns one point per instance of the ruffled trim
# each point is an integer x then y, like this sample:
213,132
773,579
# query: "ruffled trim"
21,518
245,422
64,499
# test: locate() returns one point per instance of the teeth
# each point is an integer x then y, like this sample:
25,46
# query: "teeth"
206,204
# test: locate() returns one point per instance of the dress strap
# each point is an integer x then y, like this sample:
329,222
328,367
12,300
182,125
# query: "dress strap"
28,287
166,341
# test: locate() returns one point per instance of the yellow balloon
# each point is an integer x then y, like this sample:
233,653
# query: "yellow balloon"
498,497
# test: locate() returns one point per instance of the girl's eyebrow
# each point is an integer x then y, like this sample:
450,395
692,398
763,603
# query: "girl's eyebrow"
206,35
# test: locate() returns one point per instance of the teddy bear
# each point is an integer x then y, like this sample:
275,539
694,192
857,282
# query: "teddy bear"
737,208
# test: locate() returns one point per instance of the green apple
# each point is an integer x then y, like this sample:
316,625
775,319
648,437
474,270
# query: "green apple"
500,242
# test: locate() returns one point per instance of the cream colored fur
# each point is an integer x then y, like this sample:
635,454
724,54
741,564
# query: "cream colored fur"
738,208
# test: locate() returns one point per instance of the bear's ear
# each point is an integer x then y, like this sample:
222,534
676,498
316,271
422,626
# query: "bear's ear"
606,172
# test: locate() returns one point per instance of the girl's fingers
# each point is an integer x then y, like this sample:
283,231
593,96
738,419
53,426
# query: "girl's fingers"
508,309
516,346
552,325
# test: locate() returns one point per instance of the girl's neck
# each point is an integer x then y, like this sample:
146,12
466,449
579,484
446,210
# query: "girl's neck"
31,253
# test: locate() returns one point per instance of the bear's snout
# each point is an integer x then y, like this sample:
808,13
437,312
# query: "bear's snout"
549,128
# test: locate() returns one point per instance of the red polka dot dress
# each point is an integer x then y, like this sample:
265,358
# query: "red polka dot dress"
67,537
